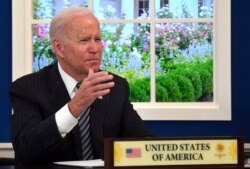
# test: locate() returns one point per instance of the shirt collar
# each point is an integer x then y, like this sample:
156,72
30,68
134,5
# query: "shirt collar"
69,82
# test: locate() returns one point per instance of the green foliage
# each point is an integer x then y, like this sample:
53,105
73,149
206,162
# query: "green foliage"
206,73
161,94
184,82
172,91
195,79
140,90
135,41
129,75
185,85
188,70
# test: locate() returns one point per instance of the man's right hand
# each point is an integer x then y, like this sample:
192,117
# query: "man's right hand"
95,85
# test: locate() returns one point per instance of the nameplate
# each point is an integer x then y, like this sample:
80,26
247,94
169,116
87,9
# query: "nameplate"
218,152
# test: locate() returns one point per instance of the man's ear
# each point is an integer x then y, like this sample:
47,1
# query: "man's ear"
58,48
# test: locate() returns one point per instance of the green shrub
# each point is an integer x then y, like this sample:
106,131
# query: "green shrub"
206,74
171,87
161,94
185,85
140,90
207,82
184,82
200,73
195,79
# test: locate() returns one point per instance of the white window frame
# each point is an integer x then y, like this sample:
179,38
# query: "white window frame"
219,109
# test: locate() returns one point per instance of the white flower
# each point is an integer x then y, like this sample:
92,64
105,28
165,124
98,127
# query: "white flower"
119,49
135,53
109,42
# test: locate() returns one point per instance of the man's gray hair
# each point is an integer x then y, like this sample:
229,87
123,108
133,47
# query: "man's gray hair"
58,25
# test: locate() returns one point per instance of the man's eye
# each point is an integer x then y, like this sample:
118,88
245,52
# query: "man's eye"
84,40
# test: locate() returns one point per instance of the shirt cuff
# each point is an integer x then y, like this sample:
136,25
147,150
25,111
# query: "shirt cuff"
65,120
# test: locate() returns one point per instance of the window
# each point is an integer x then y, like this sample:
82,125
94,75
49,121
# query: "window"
155,48
143,6
164,3
204,6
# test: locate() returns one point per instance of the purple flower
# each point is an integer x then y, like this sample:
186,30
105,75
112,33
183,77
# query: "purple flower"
104,44
41,32
145,47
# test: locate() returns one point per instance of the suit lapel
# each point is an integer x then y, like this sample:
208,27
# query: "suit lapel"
58,92
59,97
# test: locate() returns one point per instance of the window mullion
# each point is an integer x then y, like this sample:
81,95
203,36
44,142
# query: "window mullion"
91,4
152,61
28,36
152,52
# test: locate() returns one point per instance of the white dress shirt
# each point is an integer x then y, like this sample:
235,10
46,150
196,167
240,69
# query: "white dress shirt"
64,119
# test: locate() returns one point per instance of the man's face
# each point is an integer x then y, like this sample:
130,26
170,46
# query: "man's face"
81,49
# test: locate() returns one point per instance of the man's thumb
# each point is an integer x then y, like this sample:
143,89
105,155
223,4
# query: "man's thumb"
91,71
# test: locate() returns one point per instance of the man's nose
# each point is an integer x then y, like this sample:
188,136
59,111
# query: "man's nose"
93,46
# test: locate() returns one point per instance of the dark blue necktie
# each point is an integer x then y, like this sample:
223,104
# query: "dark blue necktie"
84,125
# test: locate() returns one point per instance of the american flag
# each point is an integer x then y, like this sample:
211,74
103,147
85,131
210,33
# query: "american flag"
133,152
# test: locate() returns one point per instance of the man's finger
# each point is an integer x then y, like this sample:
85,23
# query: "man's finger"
91,71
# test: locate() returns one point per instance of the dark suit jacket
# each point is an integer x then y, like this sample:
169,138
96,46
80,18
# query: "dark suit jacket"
37,97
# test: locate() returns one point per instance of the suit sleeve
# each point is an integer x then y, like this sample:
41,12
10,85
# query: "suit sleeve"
133,125
33,136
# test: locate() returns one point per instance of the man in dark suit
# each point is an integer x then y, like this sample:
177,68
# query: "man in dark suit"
47,105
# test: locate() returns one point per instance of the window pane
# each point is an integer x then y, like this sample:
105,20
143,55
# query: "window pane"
106,9
184,9
143,6
42,54
184,62
46,9
164,3
126,51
